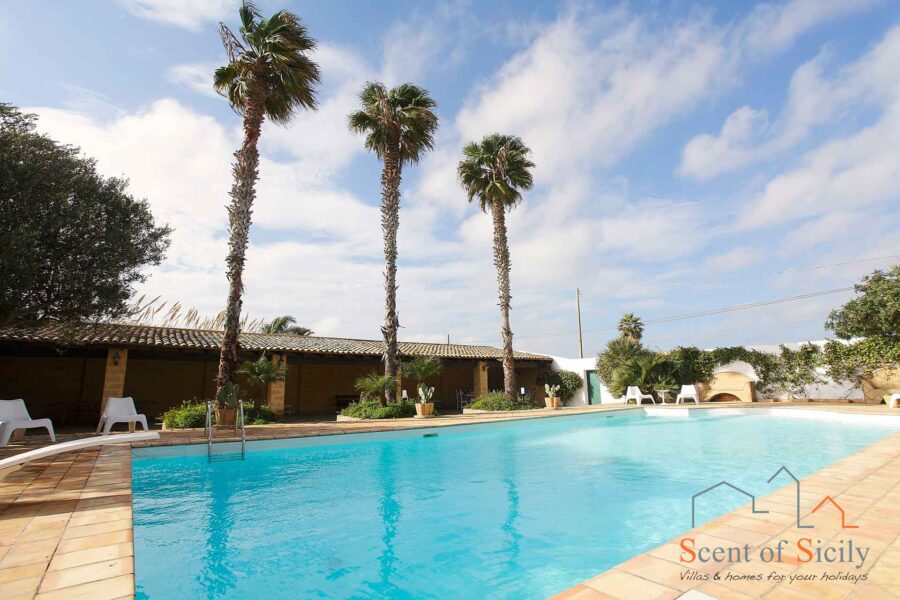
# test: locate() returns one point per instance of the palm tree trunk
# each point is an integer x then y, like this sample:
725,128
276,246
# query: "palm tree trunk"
390,224
243,192
502,262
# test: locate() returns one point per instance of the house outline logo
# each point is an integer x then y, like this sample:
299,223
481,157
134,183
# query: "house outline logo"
844,524
711,488
753,508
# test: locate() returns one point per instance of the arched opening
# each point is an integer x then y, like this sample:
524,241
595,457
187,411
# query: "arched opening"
724,397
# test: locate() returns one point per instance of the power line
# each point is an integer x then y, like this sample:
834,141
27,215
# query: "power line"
704,313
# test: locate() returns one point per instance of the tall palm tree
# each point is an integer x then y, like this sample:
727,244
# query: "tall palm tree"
496,171
285,324
631,327
269,74
399,125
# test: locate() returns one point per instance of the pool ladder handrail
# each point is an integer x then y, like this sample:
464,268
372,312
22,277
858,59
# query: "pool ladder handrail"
209,434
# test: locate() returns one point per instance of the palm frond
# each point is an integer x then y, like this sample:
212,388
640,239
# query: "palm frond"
497,168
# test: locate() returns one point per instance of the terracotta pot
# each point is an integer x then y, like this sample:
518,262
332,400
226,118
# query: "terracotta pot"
424,410
552,403
225,418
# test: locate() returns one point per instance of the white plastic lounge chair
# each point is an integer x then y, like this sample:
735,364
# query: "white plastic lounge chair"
14,415
100,440
894,400
120,410
688,392
634,393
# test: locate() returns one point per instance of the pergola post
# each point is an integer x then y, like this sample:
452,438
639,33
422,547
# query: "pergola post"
114,375
481,379
275,391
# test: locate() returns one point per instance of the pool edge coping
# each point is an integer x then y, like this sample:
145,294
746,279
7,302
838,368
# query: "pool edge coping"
110,479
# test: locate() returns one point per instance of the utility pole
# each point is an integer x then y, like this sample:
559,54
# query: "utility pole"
578,305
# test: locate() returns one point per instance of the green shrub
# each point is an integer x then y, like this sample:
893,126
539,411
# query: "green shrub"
259,416
372,409
499,401
191,413
567,381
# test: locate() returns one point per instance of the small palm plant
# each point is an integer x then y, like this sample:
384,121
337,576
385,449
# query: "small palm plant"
399,125
269,75
496,171
420,369
375,386
552,391
261,372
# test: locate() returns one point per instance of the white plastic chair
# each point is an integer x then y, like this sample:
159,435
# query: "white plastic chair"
634,393
894,400
688,392
14,415
120,410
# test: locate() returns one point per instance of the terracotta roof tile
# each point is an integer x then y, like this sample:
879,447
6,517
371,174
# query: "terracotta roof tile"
173,337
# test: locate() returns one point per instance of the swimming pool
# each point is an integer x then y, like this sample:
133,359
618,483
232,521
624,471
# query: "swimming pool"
515,509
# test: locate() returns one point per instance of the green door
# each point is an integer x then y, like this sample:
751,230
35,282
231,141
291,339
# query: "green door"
593,387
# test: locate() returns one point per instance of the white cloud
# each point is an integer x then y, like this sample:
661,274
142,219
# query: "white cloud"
771,27
196,76
844,173
737,258
192,14
814,99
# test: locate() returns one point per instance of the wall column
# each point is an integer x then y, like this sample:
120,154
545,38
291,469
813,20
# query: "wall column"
481,379
275,390
114,376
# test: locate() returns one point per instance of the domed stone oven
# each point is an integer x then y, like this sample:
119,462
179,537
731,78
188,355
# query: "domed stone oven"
734,382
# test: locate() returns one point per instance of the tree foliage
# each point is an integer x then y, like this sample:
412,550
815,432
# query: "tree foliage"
285,324
72,242
375,386
876,312
631,327
261,372
568,382
421,368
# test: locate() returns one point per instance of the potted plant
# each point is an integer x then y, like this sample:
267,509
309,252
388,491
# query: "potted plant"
420,369
226,405
552,399
424,405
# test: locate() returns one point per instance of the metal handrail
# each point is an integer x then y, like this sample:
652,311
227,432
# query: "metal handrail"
209,429
243,431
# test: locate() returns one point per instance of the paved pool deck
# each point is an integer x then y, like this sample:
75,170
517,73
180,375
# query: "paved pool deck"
66,521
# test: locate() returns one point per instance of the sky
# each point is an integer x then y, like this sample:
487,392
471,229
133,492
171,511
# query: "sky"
687,155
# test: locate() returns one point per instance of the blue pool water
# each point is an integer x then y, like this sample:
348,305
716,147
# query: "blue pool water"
513,510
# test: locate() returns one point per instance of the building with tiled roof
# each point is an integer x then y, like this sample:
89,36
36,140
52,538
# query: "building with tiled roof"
103,334
67,372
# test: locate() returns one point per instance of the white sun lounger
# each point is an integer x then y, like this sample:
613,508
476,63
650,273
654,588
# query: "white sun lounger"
100,440
14,415
688,392
120,410
634,393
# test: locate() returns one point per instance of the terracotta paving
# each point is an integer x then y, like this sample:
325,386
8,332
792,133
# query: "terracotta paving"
866,485
66,521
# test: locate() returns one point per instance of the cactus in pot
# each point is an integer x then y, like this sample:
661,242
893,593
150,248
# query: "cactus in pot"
552,396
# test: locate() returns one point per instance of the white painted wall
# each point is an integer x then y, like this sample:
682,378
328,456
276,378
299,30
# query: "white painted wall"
582,366
830,390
